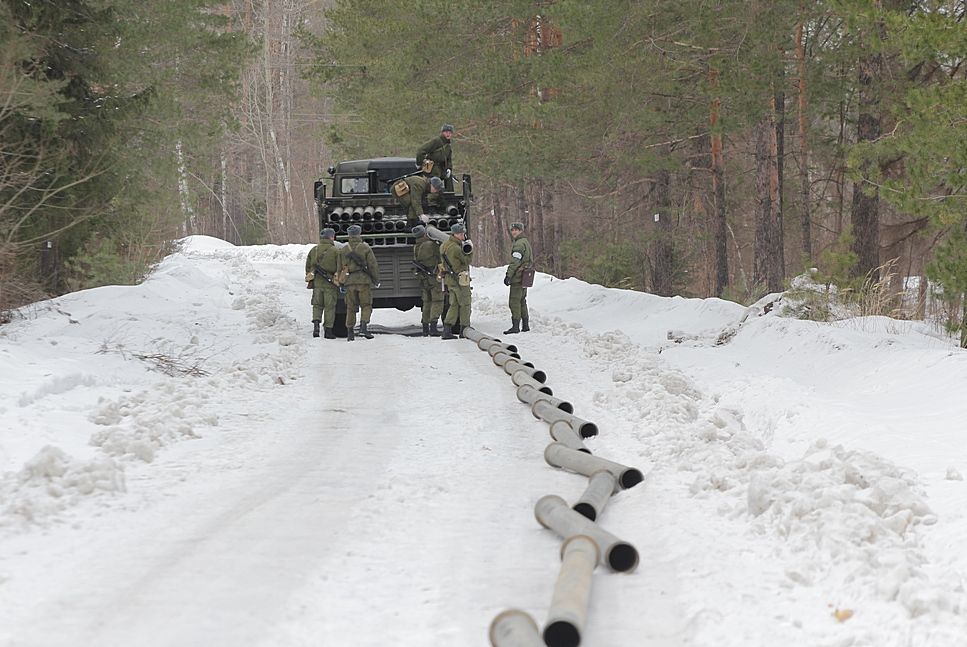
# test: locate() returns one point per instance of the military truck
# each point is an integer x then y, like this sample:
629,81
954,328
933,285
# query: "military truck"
360,194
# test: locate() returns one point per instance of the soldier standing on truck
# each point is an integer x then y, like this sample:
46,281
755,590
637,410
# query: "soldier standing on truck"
521,257
437,151
426,260
322,265
363,275
421,195
456,253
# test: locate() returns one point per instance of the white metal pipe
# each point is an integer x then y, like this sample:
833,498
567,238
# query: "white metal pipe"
564,433
529,395
560,455
514,628
436,234
552,513
500,358
500,348
572,592
520,378
551,414
601,485
512,367
490,344
476,336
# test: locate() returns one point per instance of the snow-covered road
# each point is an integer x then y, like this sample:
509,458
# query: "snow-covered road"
311,492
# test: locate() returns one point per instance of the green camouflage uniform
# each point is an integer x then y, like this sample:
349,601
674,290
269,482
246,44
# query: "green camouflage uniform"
426,252
326,256
359,285
521,257
452,251
414,200
438,150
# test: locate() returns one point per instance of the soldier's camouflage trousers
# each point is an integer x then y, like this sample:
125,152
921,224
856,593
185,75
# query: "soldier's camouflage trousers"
324,297
360,296
432,295
518,302
459,303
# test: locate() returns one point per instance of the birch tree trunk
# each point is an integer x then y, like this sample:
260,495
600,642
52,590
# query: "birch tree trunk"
663,263
720,224
805,207
865,208
767,264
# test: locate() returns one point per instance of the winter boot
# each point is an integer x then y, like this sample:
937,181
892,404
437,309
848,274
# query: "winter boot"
456,328
434,330
349,334
514,328
426,330
448,332
365,333
329,334
315,327
525,325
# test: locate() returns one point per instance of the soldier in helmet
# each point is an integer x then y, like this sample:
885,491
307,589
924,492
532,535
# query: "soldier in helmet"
322,264
521,258
456,253
426,256
423,196
437,150
363,276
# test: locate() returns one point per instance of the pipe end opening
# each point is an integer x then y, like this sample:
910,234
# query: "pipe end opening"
586,510
622,557
588,429
540,376
585,450
631,477
567,407
546,390
561,634
511,348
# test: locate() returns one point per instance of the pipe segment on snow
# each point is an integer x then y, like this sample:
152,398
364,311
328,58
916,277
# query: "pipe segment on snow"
551,414
514,628
513,366
552,513
475,335
568,612
520,378
502,357
494,347
497,349
484,343
529,395
601,485
560,455
564,433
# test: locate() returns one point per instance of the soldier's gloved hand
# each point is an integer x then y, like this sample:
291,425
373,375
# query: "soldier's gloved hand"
377,285
506,280
447,175
424,218
342,290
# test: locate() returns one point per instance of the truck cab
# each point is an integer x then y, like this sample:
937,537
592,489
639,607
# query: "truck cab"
358,192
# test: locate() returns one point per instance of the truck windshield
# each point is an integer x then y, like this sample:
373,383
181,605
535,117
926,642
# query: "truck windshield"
354,185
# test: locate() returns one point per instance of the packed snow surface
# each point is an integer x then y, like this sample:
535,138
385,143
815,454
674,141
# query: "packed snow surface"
181,463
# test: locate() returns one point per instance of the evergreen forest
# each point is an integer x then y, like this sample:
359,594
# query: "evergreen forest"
694,148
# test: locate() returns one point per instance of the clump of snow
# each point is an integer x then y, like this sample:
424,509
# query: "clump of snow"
53,481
